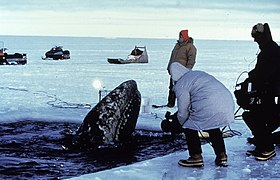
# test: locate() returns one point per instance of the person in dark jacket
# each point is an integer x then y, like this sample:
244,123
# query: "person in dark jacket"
184,52
264,117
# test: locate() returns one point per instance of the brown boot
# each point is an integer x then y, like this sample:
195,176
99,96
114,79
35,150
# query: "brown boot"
193,161
221,159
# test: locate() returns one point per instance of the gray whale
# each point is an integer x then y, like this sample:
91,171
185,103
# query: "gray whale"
113,119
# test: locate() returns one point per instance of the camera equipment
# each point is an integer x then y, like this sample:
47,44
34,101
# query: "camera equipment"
167,115
171,123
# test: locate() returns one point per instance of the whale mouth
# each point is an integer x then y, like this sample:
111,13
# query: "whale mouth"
44,150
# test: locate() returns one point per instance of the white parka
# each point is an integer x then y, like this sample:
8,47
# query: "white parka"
203,102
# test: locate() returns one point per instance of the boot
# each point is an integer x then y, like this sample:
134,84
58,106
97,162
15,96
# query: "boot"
221,159
261,155
265,155
193,161
251,140
253,152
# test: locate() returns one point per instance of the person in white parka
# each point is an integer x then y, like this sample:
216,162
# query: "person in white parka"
204,103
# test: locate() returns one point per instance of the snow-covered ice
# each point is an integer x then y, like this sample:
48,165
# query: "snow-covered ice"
166,167
62,91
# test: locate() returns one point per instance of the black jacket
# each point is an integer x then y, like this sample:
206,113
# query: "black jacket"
266,74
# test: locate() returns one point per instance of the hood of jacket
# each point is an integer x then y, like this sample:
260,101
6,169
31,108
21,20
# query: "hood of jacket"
185,34
261,34
177,70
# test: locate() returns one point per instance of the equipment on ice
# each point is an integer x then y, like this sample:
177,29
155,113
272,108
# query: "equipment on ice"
137,55
16,58
57,53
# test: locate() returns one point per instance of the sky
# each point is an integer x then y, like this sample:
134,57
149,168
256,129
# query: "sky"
215,19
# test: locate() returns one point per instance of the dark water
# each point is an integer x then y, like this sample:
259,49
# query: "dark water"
43,150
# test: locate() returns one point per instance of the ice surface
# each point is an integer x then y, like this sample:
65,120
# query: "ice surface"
63,91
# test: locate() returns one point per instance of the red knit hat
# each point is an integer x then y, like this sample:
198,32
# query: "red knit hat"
185,34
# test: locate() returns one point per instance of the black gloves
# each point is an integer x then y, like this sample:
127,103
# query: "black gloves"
171,123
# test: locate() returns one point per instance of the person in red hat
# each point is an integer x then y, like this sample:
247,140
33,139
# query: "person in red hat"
184,52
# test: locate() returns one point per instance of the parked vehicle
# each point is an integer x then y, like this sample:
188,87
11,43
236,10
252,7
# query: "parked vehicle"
57,53
16,58
137,55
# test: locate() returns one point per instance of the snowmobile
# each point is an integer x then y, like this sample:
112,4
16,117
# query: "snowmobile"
56,53
16,58
136,56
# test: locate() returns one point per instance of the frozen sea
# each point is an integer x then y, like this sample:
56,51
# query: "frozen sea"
29,89
63,91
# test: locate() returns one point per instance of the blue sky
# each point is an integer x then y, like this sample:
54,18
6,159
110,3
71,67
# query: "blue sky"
205,19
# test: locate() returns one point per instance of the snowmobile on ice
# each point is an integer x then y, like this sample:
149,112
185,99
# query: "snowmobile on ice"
137,55
57,53
16,58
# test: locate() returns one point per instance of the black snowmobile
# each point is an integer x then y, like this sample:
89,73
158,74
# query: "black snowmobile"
56,53
16,58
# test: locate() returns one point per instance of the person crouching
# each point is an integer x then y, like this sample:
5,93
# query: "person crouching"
204,104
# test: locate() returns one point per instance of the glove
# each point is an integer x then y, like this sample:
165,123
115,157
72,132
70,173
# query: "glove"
171,123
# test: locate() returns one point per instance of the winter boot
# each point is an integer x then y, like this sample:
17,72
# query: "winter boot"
193,161
265,155
252,152
251,140
261,155
221,159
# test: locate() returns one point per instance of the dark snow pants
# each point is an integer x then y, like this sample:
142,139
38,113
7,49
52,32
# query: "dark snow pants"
262,121
194,145
171,94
